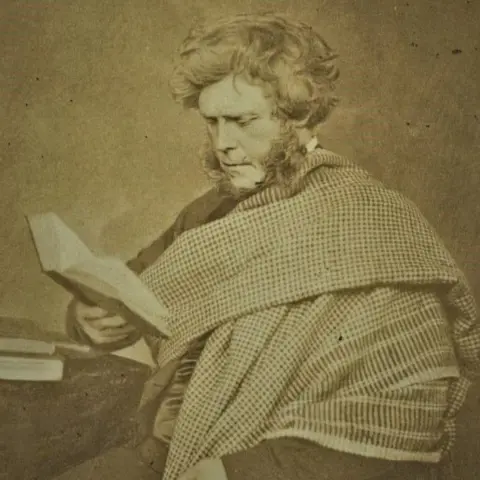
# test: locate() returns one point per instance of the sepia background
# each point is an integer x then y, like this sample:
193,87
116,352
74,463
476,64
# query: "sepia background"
88,128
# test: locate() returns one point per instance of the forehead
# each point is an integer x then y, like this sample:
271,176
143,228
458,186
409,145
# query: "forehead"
233,96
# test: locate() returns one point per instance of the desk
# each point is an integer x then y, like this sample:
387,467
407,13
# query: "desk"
46,428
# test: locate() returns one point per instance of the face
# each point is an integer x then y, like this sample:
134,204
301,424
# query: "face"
241,129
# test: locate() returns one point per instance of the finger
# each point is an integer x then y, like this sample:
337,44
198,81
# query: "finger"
108,332
107,340
112,332
88,312
108,322
100,338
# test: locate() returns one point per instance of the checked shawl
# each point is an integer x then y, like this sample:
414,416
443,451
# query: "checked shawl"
325,317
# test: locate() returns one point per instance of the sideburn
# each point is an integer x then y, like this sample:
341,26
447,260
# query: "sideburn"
282,165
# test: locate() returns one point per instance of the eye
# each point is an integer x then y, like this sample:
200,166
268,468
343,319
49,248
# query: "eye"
244,122
210,121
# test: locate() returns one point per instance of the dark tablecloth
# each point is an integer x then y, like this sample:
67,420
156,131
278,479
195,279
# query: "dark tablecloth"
46,428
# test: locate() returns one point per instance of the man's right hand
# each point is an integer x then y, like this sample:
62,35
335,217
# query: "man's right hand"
101,326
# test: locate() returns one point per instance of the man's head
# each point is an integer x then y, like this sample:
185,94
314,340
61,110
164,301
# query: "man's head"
262,83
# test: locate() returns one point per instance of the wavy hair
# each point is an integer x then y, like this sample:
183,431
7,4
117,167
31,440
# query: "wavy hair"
291,61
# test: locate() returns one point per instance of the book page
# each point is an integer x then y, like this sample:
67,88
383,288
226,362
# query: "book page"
102,279
58,247
139,352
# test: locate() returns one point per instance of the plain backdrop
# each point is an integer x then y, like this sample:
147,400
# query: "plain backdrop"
88,128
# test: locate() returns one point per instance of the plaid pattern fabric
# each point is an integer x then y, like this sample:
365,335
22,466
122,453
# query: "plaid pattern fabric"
327,309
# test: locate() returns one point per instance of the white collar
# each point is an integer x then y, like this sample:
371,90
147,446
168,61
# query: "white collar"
312,144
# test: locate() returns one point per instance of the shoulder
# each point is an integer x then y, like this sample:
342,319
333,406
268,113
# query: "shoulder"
363,209
197,211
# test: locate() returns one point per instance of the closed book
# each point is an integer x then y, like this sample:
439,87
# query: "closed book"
34,367
29,353
28,345
25,345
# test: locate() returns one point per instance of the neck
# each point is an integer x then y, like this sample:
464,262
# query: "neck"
305,135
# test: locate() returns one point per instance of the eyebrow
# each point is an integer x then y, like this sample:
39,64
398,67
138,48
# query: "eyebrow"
231,117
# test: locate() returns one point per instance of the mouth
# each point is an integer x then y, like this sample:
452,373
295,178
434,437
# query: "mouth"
234,164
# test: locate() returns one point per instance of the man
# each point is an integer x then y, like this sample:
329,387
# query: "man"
319,328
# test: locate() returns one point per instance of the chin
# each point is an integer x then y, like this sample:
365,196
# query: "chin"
238,191
245,184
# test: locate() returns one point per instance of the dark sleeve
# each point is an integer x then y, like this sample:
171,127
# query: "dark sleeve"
203,209
297,459
149,255
207,207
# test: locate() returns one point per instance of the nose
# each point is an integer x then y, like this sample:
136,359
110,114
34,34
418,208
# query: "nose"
224,136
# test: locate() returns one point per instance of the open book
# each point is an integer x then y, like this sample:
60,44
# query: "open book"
98,280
